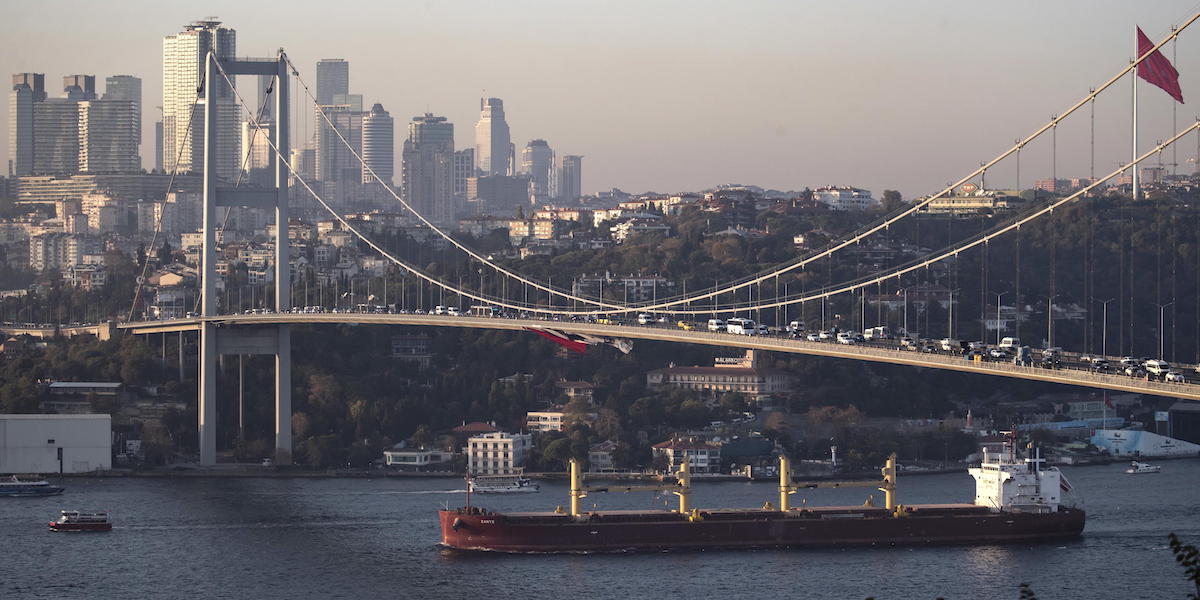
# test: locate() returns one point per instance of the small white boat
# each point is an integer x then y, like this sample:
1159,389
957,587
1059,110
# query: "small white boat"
502,484
1137,468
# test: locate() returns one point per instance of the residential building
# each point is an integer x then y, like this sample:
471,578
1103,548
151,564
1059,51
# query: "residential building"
378,145
498,453
416,460
639,225
413,347
183,129
600,456
575,390
637,288
845,198
427,171
540,421
701,456
739,375
570,178
493,145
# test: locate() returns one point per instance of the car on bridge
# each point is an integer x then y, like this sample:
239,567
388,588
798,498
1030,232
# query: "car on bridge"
716,325
1174,377
1156,367
685,325
813,337
1100,365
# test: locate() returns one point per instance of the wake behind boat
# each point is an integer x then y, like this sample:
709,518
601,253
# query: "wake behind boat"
16,487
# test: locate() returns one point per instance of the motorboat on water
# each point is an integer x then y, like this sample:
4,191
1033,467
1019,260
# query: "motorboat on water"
15,487
502,484
75,520
1137,468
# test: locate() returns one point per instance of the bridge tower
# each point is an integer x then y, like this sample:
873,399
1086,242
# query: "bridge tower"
272,339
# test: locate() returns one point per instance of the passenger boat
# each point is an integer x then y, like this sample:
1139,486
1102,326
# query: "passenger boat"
1137,468
24,488
1015,501
502,484
74,520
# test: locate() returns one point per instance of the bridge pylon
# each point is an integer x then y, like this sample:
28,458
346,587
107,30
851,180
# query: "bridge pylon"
267,339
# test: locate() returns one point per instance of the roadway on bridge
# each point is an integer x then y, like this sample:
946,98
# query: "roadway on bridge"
873,353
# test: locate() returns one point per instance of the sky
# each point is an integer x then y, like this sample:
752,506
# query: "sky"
676,96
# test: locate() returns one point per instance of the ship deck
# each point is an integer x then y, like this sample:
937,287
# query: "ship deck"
737,513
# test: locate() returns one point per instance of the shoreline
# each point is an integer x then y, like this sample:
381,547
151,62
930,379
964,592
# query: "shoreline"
253,472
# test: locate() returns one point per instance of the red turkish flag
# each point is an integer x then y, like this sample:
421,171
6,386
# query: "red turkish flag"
1156,69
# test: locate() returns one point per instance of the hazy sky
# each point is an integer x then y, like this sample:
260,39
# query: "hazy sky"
672,96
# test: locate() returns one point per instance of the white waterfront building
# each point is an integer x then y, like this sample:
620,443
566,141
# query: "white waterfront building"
498,453
845,198
55,443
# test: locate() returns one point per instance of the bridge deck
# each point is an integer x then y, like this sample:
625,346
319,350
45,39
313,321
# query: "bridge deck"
1122,383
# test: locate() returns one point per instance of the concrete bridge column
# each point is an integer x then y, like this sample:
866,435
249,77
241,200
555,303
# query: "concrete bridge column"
208,395
283,397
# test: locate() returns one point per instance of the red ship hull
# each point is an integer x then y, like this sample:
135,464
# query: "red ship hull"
54,526
474,529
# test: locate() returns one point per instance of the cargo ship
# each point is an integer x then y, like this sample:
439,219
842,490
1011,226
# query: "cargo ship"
1016,500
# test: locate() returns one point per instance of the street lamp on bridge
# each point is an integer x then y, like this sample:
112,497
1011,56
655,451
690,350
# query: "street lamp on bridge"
1104,324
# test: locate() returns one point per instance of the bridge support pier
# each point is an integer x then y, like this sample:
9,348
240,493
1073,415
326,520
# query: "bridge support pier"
283,397
216,342
208,395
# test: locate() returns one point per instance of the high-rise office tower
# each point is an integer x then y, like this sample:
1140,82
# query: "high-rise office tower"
427,171
79,87
56,136
27,90
334,161
333,77
184,56
265,105
493,145
257,152
570,178
158,146
464,168
108,137
378,145
537,161
128,88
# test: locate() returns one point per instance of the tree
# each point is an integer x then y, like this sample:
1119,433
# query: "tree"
557,452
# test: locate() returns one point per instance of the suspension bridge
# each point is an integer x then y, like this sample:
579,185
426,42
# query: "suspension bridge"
222,330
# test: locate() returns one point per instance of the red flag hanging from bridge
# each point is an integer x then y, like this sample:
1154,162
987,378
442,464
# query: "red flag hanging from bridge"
1156,69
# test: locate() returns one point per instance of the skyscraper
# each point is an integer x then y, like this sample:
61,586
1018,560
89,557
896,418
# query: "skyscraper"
464,169
27,90
379,145
336,162
537,161
108,137
79,87
184,56
570,178
265,107
128,88
427,172
333,77
493,145
56,136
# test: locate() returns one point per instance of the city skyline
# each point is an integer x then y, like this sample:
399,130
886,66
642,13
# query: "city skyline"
582,89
